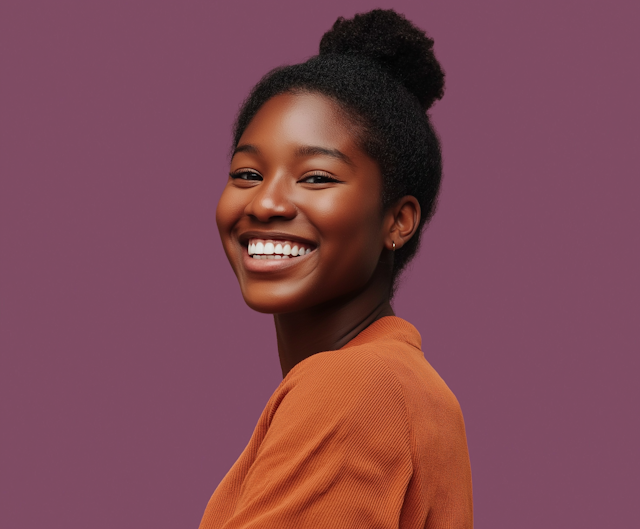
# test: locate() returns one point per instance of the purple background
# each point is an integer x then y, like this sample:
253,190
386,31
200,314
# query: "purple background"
132,374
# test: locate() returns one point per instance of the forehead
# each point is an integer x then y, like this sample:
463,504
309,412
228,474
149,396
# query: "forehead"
301,118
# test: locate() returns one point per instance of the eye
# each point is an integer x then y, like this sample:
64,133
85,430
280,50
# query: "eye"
245,174
319,178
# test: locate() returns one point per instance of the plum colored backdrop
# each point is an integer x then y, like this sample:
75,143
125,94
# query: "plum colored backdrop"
132,374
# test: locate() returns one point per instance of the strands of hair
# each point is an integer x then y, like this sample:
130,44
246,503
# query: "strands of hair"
381,70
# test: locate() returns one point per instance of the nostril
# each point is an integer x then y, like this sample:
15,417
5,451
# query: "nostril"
268,209
271,199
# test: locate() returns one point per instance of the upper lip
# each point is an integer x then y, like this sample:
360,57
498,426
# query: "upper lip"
273,235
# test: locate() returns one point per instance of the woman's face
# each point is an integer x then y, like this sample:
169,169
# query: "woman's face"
300,218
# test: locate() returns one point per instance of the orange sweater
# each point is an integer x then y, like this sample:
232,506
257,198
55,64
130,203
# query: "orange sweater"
368,436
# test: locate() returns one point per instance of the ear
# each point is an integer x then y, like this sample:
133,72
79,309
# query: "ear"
401,222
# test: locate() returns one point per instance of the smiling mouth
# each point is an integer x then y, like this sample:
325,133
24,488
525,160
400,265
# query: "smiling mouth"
276,249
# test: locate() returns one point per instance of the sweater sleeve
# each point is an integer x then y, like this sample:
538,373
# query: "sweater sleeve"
337,452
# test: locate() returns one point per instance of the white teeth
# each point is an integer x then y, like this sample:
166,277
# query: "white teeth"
270,249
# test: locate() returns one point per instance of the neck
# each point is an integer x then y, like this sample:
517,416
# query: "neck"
329,326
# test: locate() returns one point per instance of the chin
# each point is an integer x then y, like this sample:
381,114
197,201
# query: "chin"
275,300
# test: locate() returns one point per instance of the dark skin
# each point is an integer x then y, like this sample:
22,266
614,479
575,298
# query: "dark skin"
299,175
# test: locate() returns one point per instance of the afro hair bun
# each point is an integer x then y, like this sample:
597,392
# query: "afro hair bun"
389,39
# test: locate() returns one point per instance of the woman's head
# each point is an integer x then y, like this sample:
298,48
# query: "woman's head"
376,76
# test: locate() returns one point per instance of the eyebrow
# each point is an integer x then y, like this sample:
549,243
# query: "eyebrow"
247,147
312,150
304,150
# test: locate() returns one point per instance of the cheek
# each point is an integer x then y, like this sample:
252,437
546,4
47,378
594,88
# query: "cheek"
351,230
228,211
354,212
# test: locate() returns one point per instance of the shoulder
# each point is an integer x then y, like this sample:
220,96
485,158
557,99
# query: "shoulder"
350,389
350,373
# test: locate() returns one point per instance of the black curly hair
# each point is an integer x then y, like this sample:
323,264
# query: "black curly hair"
381,71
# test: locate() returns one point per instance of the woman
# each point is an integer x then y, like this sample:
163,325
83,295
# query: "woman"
335,171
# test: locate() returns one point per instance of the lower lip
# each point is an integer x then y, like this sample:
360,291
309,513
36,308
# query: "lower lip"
271,265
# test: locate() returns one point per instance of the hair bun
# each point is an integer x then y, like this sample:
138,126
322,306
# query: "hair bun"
402,49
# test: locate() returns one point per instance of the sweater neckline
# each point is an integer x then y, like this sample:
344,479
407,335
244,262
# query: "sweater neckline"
388,327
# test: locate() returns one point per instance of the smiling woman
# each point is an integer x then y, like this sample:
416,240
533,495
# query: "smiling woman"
335,171
299,180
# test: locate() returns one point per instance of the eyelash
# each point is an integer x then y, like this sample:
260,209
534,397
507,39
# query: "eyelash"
327,178
244,173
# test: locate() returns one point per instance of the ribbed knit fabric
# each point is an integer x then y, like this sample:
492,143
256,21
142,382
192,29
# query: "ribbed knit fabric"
368,436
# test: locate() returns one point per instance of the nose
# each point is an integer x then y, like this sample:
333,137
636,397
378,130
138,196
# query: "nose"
272,200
